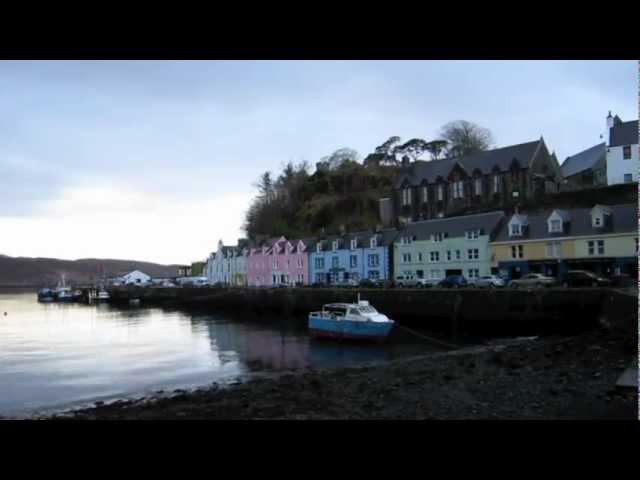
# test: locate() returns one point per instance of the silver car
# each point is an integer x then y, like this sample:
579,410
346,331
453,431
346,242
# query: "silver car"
532,280
489,281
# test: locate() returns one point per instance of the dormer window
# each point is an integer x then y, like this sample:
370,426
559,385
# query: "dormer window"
318,247
374,242
515,229
354,244
405,240
438,237
597,221
555,226
335,245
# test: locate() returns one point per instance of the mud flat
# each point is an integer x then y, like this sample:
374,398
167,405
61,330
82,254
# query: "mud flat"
552,378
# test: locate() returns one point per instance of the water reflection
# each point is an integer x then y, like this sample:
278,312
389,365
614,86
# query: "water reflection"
62,354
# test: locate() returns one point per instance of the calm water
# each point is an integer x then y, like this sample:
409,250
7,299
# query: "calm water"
56,356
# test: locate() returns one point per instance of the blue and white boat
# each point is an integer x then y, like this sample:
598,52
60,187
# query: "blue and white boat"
46,295
350,321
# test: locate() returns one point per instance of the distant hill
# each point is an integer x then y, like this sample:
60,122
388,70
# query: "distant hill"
25,271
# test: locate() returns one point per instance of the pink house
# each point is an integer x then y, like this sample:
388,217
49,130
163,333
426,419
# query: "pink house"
278,262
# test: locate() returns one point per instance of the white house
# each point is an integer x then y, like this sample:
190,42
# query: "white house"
135,278
622,151
228,265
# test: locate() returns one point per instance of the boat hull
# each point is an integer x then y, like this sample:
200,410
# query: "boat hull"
349,329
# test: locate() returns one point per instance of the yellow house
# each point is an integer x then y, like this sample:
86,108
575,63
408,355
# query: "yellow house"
602,239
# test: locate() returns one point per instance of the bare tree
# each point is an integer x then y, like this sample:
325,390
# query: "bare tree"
464,138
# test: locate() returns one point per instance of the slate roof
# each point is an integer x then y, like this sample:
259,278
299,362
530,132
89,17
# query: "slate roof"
484,161
591,158
624,133
385,238
624,219
453,226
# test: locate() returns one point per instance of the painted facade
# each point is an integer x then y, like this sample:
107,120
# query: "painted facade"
434,249
602,239
278,262
622,151
337,259
228,265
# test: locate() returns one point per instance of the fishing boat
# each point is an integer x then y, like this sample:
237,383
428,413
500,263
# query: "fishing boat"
64,294
102,296
46,295
350,321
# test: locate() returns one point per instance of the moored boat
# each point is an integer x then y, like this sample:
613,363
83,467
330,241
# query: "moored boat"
350,321
102,296
46,295
64,294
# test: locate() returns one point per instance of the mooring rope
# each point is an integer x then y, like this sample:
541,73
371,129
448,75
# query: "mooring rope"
430,339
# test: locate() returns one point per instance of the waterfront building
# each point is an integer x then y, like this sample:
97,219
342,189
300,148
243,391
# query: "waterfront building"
602,239
483,181
135,278
278,261
622,151
228,264
586,169
337,259
435,249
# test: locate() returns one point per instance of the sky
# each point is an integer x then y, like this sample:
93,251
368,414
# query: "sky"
157,160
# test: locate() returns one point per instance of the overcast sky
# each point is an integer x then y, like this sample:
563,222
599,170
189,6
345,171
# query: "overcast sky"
156,160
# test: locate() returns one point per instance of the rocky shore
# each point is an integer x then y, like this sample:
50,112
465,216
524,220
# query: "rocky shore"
551,378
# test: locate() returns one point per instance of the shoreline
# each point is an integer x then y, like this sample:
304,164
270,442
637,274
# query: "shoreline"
552,378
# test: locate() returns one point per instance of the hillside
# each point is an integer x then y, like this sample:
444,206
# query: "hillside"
25,271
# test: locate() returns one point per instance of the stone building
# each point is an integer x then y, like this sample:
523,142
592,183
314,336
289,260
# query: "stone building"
483,181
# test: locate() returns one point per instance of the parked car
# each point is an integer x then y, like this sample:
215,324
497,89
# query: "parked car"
583,278
489,281
372,283
454,281
533,280
411,281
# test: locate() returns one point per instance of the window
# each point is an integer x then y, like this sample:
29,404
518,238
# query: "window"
374,242
319,278
435,274
554,249
353,261
425,194
555,226
319,263
597,221
628,178
435,256
354,244
288,264
472,234
448,255
318,247
335,262
406,196
438,237
457,254
515,229
517,251
300,262
335,245
496,184
458,189
440,193
478,185
600,247
406,240
372,260
472,254
275,264
636,246
374,274
591,249
406,258
626,152
419,256
473,273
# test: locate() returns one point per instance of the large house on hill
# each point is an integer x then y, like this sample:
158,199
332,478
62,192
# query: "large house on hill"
586,169
482,181
622,151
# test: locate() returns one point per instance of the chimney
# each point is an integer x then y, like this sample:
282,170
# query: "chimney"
609,120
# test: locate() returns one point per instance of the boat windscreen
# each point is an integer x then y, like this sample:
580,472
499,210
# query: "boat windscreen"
367,310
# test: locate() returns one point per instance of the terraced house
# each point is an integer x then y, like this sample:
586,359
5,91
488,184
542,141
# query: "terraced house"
491,180
228,265
279,261
358,256
434,249
602,239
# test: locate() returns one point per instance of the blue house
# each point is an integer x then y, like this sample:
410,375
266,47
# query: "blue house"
355,256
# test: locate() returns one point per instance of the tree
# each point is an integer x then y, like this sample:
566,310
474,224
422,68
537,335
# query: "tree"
465,138
436,147
412,148
265,187
340,157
